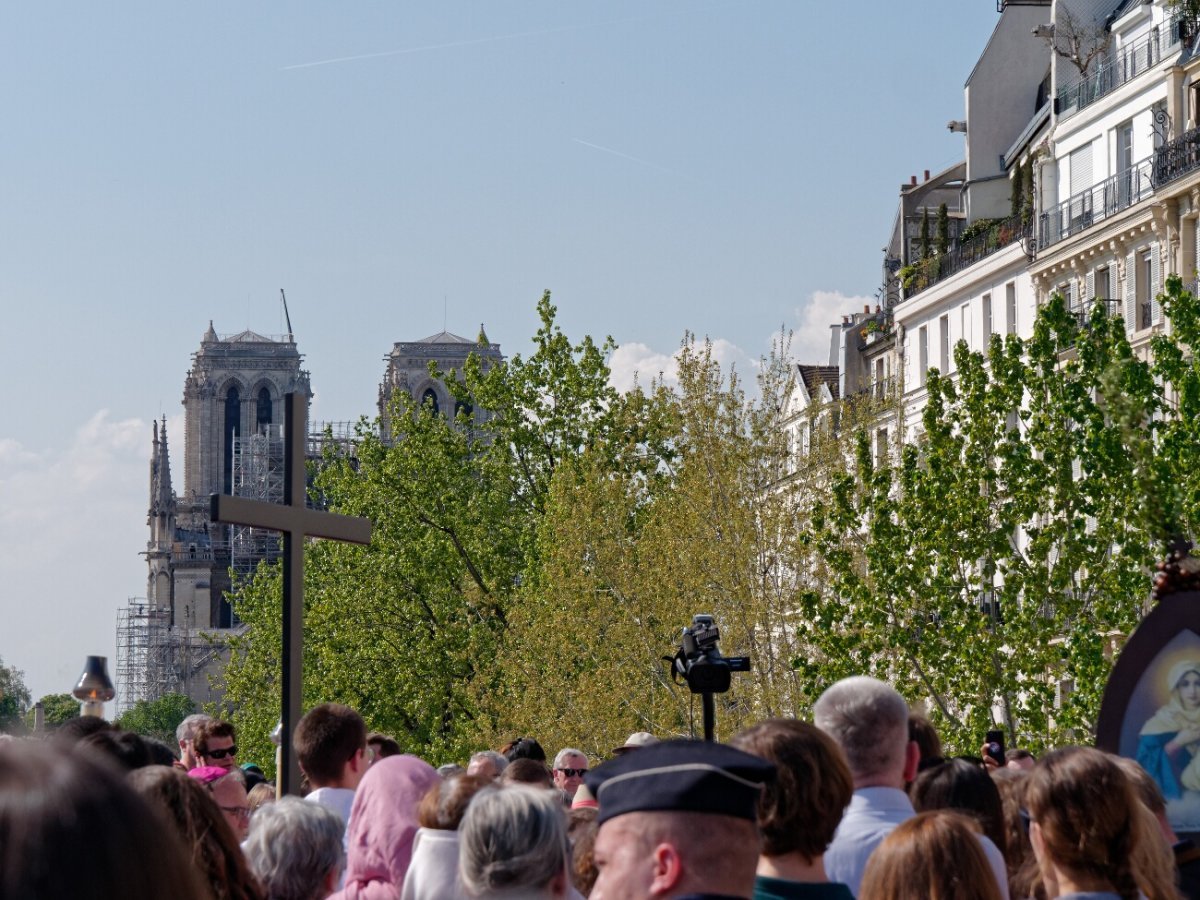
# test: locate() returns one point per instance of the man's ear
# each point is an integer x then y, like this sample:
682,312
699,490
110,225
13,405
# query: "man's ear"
912,761
358,762
668,869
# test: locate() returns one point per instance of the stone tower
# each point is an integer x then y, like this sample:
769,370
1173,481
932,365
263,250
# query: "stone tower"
408,370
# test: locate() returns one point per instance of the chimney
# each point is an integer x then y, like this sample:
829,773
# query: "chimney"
866,309
913,181
926,174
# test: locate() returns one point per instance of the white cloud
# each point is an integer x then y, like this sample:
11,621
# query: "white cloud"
72,523
635,362
810,341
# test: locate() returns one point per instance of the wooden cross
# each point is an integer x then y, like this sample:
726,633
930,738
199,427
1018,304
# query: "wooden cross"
296,522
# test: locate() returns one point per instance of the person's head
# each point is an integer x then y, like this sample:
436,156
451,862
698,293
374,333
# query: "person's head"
581,835
124,748
195,817
72,731
934,856
635,741
382,745
450,770
965,787
1020,759
331,746
228,790
1153,858
260,795
53,802
523,748
868,720
383,822
160,754
677,817
443,807
527,771
1011,785
1080,804
514,840
800,810
929,745
295,849
1184,681
185,734
570,765
215,744
488,763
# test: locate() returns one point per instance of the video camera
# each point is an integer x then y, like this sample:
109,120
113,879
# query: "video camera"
699,661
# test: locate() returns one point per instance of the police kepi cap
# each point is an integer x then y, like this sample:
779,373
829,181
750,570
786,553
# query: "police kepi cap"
680,776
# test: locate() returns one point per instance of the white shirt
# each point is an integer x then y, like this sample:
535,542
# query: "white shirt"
872,815
340,800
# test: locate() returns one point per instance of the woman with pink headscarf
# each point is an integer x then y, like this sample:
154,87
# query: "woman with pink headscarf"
383,821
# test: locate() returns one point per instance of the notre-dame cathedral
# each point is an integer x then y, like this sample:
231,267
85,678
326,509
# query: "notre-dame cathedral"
174,639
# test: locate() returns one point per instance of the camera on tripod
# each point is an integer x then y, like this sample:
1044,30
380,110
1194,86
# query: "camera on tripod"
699,661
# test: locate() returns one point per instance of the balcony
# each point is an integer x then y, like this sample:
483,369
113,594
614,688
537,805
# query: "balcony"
1176,158
1121,66
1096,204
978,241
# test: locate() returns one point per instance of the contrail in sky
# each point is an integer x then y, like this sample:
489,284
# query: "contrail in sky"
483,40
644,162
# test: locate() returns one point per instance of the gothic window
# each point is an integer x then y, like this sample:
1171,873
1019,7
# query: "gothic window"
264,408
233,415
429,399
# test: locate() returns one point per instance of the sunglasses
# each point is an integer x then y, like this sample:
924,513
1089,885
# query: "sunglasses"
220,754
572,773
241,812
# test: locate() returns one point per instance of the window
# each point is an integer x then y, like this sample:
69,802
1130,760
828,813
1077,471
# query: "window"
881,445
264,408
233,420
987,318
1144,280
880,379
429,399
944,344
1102,284
923,357
1010,308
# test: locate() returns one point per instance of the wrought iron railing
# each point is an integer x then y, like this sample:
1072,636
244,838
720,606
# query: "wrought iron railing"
1120,66
1176,158
1096,204
1147,315
963,253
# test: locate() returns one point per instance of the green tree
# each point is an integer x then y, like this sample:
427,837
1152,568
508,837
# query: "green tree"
924,247
943,230
14,699
990,560
405,630
57,708
159,718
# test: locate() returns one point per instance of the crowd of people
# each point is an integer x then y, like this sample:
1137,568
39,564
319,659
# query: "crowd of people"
857,803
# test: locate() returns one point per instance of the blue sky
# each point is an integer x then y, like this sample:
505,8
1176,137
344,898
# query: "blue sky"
716,167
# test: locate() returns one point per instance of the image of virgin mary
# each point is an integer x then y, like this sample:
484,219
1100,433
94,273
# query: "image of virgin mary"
1169,742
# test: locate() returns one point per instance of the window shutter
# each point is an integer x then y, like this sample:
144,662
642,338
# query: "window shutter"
1130,295
1089,291
1155,285
1114,289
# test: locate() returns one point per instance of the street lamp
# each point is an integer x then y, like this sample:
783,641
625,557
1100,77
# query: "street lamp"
94,688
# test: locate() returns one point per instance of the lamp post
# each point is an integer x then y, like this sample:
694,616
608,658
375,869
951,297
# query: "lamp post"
94,688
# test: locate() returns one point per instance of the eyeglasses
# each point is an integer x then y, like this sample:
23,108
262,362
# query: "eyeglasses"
220,754
242,812
572,773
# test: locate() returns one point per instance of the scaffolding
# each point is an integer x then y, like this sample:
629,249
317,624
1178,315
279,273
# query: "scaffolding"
145,669
257,474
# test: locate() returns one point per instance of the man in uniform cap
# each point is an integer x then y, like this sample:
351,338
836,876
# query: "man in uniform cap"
677,820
